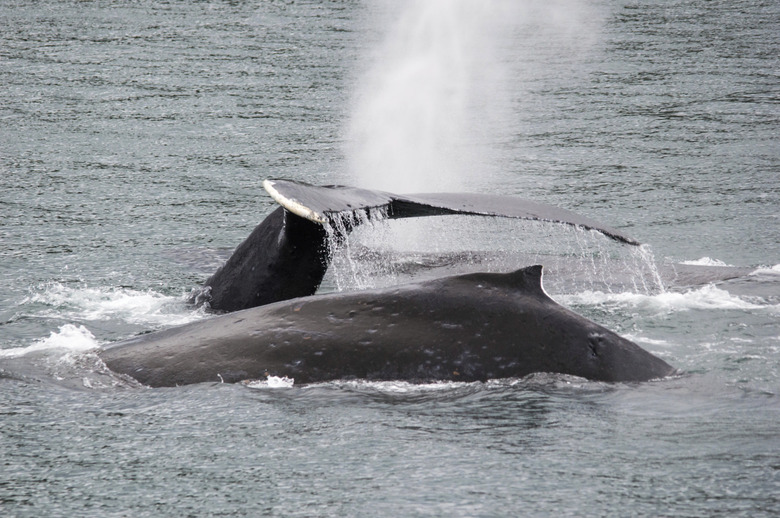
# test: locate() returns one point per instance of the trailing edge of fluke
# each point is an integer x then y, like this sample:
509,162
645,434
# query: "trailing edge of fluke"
321,204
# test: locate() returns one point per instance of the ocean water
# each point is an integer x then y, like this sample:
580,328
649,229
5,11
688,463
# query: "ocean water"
134,137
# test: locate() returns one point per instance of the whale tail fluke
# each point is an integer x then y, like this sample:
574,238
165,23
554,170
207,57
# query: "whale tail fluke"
323,204
288,253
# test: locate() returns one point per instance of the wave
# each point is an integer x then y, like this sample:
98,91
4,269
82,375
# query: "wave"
706,261
708,297
436,389
767,270
128,305
85,311
272,382
67,358
69,337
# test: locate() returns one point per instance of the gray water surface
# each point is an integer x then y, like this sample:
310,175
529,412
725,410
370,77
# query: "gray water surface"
134,137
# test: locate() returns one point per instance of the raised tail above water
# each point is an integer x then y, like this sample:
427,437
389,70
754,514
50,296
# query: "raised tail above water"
323,204
287,254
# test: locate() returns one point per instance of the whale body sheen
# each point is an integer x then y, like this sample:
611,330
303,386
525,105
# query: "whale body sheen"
469,327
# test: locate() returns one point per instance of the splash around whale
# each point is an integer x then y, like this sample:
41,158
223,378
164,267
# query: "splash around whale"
471,327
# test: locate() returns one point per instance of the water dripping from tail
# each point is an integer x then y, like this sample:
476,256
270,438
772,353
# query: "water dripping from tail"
616,268
383,252
347,271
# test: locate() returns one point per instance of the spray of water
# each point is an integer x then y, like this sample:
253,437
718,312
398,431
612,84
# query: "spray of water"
413,125
349,272
438,105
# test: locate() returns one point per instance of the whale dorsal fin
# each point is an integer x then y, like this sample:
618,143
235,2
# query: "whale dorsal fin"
529,279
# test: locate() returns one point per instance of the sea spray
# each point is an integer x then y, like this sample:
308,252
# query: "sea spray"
427,97
646,265
435,106
605,261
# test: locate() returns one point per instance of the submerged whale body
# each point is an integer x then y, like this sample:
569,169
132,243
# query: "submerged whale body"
469,327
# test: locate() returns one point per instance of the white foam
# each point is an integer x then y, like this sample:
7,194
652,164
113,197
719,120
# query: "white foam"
392,388
767,270
706,261
400,387
706,297
273,382
69,338
132,306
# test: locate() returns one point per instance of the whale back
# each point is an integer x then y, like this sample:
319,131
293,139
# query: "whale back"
469,327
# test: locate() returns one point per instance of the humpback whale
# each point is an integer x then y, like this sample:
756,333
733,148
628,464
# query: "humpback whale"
288,253
470,327
467,327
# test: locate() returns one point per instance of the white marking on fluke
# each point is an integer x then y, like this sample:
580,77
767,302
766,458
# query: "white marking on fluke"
293,205
541,283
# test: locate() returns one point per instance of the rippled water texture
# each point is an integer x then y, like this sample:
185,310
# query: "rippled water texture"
134,137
